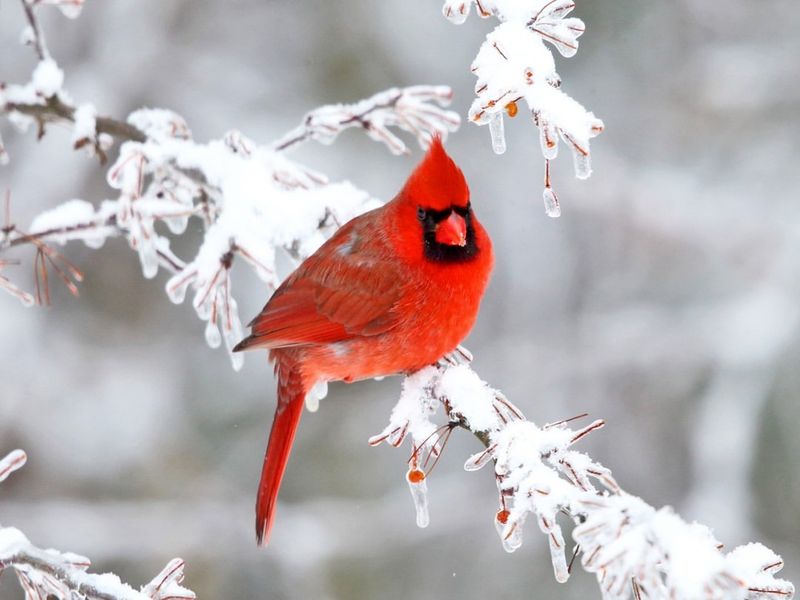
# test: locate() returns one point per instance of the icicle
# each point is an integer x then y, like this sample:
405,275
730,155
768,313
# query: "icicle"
557,555
149,259
582,161
237,360
511,535
26,299
315,394
213,337
476,461
497,131
551,206
177,285
177,225
11,462
419,493
548,139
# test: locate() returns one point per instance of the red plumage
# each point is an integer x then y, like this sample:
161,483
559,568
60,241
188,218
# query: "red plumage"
391,292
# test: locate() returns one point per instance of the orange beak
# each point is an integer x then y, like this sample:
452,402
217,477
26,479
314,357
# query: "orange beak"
452,231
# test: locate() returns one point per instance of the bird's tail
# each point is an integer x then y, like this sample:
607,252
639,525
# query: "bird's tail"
291,396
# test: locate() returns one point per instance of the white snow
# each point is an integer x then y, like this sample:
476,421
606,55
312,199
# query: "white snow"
469,397
47,78
85,127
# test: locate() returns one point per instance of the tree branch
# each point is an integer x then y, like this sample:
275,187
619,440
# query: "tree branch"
54,109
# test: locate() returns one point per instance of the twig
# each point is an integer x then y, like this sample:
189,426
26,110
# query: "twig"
56,109
39,43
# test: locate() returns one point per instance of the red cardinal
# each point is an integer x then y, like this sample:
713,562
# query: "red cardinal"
393,291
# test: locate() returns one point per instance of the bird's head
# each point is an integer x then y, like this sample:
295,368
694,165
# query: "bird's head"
436,199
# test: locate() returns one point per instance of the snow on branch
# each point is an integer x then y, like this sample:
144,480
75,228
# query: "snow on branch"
63,575
409,109
635,550
514,64
251,200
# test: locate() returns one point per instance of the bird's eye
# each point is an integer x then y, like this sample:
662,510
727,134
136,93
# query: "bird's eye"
421,214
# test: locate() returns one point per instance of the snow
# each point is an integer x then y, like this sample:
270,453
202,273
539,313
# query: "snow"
47,78
469,397
85,127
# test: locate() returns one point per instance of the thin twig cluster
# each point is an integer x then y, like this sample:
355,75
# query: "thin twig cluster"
63,575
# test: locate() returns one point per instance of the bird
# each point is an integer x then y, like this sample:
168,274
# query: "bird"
391,292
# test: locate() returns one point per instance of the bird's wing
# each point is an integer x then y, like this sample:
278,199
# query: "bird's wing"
347,289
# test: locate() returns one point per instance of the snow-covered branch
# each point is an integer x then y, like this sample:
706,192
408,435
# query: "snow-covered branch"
515,64
635,550
251,200
63,575
408,109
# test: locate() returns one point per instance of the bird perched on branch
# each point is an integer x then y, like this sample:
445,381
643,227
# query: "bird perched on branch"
393,291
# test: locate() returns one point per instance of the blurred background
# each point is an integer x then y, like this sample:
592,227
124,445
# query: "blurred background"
665,299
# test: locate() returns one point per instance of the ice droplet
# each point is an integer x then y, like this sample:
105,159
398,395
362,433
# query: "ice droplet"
497,131
237,360
583,163
511,534
557,555
476,461
419,494
149,259
551,206
315,394
177,286
213,337
27,300
177,225
94,242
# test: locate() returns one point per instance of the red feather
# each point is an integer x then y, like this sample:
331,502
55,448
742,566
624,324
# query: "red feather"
374,300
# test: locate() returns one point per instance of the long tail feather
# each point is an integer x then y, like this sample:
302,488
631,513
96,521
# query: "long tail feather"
291,396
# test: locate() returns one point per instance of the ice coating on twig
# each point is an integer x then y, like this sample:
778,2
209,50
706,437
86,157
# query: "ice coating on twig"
514,64
418,110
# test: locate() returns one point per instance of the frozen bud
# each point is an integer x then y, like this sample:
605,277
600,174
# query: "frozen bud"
419,494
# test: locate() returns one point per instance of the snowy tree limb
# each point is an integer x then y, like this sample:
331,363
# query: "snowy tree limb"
251,200
63,575
515,64
633,549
